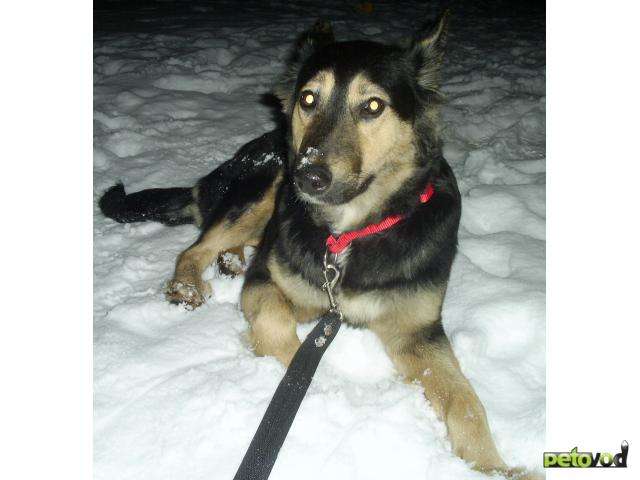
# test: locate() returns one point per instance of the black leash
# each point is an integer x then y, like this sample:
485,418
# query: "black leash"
269,437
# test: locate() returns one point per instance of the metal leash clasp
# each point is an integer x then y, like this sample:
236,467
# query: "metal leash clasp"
331,274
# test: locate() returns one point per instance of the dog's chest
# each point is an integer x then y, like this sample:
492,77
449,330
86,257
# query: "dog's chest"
364,307
359,307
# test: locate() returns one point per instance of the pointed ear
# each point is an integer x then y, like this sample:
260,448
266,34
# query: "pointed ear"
428,50
309,42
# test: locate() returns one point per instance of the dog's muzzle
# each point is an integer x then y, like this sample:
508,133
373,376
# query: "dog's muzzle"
313,180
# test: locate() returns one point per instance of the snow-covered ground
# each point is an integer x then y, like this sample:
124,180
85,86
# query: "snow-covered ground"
176,393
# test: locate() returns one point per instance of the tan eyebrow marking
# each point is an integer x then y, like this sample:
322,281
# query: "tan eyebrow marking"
361,89
323,82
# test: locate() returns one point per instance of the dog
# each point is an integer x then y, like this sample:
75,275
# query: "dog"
359,147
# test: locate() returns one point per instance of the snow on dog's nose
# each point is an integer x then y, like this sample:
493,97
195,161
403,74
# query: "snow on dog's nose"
311,177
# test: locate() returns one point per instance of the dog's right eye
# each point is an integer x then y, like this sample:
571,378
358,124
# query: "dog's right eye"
373,107
307,100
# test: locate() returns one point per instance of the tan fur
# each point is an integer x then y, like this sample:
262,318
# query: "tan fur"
413,308
356,148
321,85
434,365
193,208
385,147
418,307
187,285
365,208
407,320
396,316
308,300
451,395
272,322
387,150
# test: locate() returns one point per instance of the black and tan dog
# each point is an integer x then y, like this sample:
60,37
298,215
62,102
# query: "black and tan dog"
360,147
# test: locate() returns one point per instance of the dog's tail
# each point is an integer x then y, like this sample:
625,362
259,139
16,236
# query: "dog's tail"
171,206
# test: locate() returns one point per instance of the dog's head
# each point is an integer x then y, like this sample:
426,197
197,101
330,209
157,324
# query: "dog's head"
363,115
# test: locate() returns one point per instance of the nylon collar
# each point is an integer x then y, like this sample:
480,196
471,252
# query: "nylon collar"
337,245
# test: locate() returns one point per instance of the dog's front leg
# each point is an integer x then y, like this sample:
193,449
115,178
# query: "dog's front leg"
272,323
187,286
229,234
425,355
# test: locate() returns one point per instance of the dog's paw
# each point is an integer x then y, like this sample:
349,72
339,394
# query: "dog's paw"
190,295
232,262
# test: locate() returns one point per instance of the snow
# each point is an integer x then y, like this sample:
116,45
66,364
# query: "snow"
177,394
308,156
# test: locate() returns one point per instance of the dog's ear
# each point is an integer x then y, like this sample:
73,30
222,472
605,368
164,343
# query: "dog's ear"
307,43
311,40
428,52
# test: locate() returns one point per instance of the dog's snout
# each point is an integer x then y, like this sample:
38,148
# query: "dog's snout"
313,180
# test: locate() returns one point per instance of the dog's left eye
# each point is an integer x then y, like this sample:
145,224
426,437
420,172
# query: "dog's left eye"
373,107
307,99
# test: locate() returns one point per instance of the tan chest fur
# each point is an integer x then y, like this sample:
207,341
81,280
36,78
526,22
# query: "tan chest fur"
411,307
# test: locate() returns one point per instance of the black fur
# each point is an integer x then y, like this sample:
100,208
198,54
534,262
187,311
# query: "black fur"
164,205
409,262
241,181
429,335
225,192
417,251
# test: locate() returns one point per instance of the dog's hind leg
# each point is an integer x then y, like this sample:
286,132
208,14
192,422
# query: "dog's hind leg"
233,232
426,356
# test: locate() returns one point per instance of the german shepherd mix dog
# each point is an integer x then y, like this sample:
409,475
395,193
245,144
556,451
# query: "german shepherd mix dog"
360,145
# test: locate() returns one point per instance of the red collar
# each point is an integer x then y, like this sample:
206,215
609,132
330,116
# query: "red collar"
337,245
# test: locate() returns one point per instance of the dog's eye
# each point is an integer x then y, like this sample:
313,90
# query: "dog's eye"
374,107
307,99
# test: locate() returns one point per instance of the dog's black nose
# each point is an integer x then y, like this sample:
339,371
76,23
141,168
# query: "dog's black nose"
313,180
